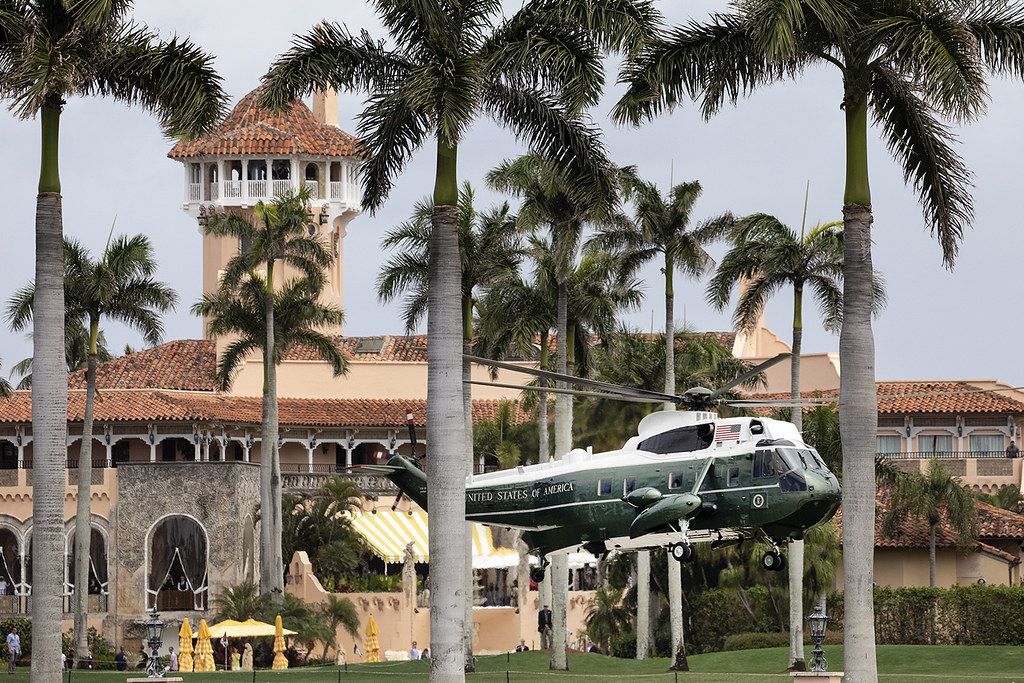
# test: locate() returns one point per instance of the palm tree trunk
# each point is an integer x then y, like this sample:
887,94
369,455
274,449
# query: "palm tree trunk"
446,480
559,570
83,512
543,449
675,570
270,458
467,408
643,604
858,406
796,548
49,412
931,555
670,335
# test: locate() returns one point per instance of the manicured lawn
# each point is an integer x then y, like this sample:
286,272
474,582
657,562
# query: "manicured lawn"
896,664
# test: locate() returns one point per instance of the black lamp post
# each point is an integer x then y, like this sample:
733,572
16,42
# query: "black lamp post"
818,621
155,636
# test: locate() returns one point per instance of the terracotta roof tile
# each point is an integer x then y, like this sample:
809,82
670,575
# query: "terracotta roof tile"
169,406
941,396
188,364
410,348
249,129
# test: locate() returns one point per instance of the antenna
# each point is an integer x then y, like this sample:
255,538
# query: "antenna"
807,193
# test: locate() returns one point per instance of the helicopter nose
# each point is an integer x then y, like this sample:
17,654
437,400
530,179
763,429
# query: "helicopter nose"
823,486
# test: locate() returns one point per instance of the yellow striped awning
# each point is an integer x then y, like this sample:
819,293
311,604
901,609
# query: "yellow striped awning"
388,532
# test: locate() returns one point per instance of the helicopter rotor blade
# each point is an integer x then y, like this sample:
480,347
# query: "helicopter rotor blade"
756,370
651,396
573,392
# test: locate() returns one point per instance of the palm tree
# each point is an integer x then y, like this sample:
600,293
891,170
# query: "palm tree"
769,256
319,525
5,388
936,498
339,612
504,440
240,312
532,72
911,66
48,52
662,227
605,617
76,352
276,233
119,286
240,602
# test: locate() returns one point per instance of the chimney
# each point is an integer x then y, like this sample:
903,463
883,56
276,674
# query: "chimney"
325,107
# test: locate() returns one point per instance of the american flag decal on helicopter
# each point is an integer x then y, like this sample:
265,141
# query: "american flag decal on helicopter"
727,432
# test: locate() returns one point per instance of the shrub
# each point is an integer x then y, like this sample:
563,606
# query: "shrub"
102,651
624,645
755,641
24,627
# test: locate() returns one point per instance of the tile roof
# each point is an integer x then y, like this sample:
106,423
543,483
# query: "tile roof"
409,348
940,396
170,406
188,364
994,524
250,129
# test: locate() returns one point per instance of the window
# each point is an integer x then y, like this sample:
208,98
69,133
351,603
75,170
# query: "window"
734,476
168,450
604,487
985,444
97,562
10,560
675,480
176,575
935,444
120,452
680,440
8,456
764,464
888,444
628,486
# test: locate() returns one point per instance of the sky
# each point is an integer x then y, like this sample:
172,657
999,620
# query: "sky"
760,156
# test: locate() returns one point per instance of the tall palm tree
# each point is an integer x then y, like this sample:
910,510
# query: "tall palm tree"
662,226
118,286
769,256
936,498
911,66
276,233
532,72
5,388
240,312
605,617
49,51
76,352
339,612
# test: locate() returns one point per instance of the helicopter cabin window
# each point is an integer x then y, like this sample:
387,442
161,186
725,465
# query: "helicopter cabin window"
628,486
675,480
765,464
681,440
604,487
734,477
793,479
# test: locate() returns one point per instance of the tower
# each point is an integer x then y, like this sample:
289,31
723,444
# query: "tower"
256,155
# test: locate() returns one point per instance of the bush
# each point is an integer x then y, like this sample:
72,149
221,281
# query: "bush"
24,627
372,583
102,651
755,641
624,645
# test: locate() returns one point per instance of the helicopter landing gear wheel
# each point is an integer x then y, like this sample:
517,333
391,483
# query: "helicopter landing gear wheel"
773,561
683,552
537,574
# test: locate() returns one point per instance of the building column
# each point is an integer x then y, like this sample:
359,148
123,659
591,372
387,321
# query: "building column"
309,451
245,178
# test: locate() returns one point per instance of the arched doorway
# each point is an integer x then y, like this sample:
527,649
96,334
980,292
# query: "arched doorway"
176,564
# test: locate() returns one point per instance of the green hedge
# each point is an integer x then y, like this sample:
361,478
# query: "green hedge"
24,627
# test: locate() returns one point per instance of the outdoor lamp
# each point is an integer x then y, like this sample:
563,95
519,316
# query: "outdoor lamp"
155,636
818,621
202,219
323,215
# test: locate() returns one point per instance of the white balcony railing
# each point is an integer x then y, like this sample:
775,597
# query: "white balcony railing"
257,189
214,192
233,188
195,192
314,189
281,187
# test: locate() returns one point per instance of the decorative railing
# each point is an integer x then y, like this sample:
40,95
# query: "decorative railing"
311,481
214,192
314,189
233,188
257,188
942,455
281,187
195,192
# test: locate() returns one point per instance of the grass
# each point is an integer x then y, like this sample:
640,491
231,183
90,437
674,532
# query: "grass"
896,664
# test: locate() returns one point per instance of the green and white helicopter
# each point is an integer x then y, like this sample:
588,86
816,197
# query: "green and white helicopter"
687,476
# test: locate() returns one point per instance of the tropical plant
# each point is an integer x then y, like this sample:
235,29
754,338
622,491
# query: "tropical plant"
822,555
661,227
605,617
339,612
320,526
276,233
76,352
936,498
5,388
50,51
533,72
1006,498
118,286
910,66
768,256
240,602
821,431
503,439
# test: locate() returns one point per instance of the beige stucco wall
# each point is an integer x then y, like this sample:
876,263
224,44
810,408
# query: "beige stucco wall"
898,568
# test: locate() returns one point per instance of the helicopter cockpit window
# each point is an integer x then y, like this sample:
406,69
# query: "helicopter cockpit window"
793,478
675,480
765,464
680,440
604,487
628,486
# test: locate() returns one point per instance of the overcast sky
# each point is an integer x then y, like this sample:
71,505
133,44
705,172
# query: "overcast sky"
756,157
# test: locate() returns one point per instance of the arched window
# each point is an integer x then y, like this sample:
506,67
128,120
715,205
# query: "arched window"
176,565
248,551
97,563
10,569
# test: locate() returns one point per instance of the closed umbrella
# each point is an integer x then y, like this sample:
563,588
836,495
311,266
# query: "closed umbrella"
280,661
185,646
372,646
204,650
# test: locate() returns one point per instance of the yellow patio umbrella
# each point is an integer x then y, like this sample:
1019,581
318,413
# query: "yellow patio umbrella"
280,661
185,646
204,650
372,647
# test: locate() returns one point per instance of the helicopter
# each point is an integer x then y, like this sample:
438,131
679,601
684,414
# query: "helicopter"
686,477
